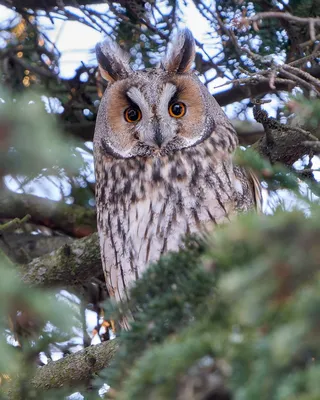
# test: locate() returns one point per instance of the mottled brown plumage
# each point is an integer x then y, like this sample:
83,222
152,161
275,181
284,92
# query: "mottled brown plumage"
160,177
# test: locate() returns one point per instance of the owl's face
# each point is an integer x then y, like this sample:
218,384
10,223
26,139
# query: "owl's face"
154,112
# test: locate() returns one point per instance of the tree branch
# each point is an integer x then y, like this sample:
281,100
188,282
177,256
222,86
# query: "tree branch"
73,369
70,265
284,15
281,143
73,220
77,367
47,73
250,90
46,4
241,92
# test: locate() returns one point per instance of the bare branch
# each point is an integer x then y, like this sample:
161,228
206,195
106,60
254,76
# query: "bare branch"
299,82
304,74
241,92
309,42
259,85
74,220
284,15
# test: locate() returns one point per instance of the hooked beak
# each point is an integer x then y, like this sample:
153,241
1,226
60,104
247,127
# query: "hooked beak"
154,137
158,138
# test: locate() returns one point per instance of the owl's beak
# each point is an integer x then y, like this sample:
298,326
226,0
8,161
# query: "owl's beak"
158,138
154,136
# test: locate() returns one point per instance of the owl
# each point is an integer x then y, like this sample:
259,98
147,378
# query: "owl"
163,152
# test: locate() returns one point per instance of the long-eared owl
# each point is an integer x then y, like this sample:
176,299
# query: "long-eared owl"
163,152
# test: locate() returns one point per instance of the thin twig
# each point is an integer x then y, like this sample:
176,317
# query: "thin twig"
304,74
303,60
300,82
283,15
309,42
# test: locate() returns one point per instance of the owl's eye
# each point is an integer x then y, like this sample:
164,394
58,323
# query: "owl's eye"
177,110
132,114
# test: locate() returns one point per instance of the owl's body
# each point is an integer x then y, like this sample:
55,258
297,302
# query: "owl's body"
167,173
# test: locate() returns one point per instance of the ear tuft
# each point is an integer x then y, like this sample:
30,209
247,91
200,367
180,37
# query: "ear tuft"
113,61
180,56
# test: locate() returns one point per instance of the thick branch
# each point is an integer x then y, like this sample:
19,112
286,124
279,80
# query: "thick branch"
74,220
70,265
239,93
73,369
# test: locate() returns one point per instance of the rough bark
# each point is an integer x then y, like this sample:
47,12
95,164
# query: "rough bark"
282,143
73,369
70,265
73,220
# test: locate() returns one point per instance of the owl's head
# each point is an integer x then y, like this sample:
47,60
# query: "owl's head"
157,111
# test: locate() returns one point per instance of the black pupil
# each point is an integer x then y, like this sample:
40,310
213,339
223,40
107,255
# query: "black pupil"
133,114
177,109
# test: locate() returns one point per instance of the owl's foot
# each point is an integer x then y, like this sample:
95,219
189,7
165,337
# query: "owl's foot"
103,330
109,324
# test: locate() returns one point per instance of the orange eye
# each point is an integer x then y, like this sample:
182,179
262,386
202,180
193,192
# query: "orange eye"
177,110
132,114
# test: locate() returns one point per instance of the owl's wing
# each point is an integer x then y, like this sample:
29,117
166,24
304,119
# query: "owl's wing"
256,189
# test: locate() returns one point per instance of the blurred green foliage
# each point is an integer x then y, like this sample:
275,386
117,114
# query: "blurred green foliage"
31,142
306,111
32,147
31,320
240,305
245,299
